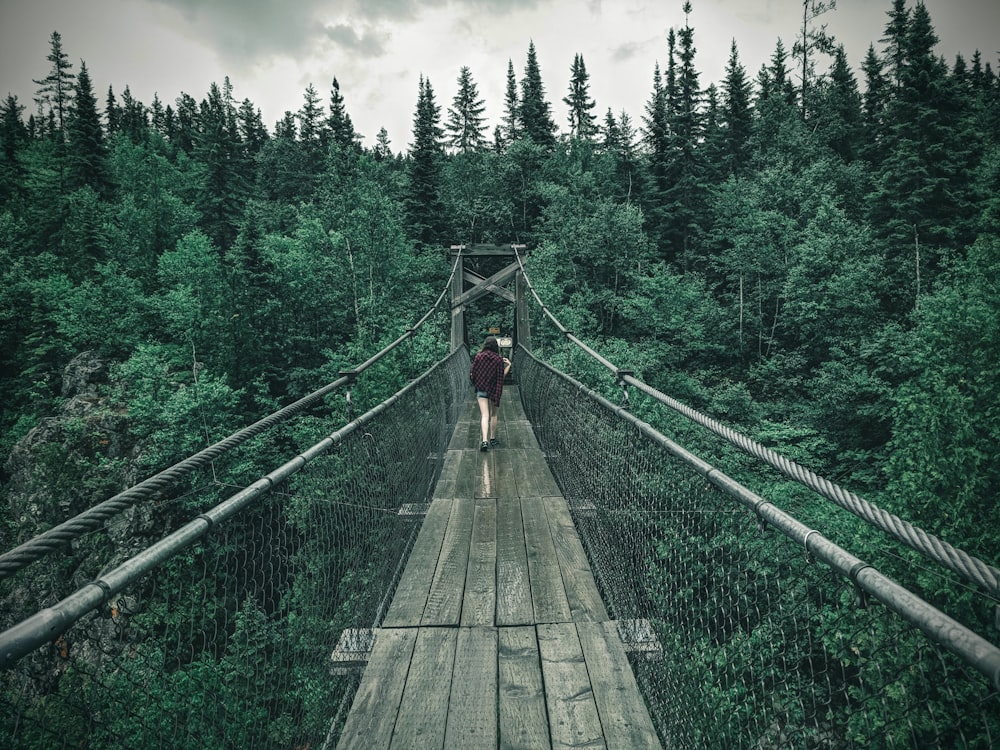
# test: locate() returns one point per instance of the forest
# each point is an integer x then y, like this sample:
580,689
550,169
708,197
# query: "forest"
808,253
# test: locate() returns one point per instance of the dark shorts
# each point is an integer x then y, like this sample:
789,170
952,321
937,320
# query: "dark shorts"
482,394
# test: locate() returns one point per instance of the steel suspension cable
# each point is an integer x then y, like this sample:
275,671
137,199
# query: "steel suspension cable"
968,566
153,487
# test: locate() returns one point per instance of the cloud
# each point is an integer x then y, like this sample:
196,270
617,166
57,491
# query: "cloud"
367,44
629,50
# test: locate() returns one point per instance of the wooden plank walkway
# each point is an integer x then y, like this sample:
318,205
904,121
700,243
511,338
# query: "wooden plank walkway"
497,636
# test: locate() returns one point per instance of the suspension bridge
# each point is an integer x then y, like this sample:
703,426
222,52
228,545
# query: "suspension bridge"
597,580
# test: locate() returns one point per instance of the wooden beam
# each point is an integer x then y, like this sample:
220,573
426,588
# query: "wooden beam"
500,277
475,278
481,250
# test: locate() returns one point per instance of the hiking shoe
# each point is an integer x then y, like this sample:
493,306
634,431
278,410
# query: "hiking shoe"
494,442
484,446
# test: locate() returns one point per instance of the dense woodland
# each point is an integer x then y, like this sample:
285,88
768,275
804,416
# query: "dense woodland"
809,252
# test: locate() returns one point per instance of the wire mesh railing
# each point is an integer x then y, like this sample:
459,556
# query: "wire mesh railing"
246,626
755,630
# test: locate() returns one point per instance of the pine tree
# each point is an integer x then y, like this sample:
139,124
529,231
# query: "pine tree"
921,206
685,193
779,82
536,118
656,131
223,192
812,40
423,201
512,108
382,150
339,122
112,114
310,119
838,109
133,118
187,116
56,90
13,138
466,125
582,123
874,105
250,123
895,41
736,117
86,152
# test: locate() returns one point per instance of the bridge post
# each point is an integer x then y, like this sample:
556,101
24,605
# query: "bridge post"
458,311
522,328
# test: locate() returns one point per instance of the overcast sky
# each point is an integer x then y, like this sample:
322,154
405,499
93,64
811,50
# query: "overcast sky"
377,49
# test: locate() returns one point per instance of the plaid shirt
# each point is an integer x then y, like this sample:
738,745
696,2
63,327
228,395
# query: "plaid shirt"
486,374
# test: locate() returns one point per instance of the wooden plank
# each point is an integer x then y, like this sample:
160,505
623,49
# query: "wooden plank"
548,593
520,435
445,486
573,717
504,472
414,585
510,404
513,582
521,699
466,434
444,601
533,476
623,713
373,714
423,710
584,599
465,483
472,709
481,577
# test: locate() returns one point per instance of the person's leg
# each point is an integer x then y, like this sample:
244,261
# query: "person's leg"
493,421
484,416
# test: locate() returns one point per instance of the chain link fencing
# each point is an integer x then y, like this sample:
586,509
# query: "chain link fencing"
249,625
748,628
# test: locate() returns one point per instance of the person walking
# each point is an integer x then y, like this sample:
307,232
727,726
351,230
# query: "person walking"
487,373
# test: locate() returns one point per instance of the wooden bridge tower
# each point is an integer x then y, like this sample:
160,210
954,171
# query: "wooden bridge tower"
480,285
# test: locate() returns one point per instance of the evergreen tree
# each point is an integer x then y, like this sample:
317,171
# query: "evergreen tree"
86,151
223,192
310,120
581,119
133,118
685,194
13,138
55,91
895,41
187,116
339,122
838,110
736,117
874,105
812,40
921,206
512,108
252,132
382,150
656,130
535,112
423,200
779,79
466,125
112,114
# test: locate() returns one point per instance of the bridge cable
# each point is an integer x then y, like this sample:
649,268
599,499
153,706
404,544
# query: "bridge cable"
90,520
956,560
